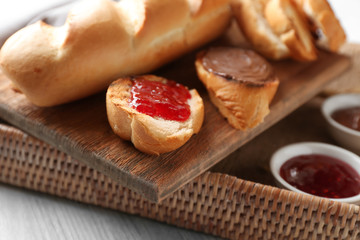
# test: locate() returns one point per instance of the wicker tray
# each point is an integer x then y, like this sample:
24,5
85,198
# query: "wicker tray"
213,203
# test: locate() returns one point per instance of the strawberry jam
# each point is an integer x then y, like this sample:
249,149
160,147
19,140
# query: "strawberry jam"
321,175
164,99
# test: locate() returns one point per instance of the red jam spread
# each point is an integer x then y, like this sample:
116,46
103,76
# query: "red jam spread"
349,117
321,175
164,99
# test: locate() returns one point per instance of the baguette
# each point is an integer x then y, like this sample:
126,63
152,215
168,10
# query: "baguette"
240,83
102,40
149,133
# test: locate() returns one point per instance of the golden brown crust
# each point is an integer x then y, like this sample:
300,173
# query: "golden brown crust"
276,28
148,134
212,18
249,15
325,26
103,40
244,105
289,23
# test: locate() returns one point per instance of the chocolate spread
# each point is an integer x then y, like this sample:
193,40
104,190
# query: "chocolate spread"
237,64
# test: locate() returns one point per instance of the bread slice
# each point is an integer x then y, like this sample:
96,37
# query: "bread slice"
289,23
276,28
241,88
324,25
152,135
249,15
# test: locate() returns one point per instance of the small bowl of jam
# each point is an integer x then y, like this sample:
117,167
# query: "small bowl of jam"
342,113
318,169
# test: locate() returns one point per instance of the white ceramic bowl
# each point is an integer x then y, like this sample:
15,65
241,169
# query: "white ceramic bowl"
346,137
305,148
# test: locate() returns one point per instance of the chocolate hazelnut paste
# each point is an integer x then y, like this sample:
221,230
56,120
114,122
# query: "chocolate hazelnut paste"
240,65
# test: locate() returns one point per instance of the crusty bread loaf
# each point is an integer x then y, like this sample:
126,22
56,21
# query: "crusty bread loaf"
241,87
102,40
152,135
276,28
324,25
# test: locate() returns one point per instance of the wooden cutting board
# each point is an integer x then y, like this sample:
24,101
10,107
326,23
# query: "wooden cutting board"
81,128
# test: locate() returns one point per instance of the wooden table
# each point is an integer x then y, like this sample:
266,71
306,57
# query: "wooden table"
31,215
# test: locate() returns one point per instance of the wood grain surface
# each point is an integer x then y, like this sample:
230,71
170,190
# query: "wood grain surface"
81,128
29,215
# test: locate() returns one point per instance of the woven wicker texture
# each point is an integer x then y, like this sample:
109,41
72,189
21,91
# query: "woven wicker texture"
347,82
214,203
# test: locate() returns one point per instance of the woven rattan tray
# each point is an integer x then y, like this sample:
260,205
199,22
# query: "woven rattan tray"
213,203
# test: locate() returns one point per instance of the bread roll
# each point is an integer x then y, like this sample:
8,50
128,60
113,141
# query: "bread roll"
324,25
276,28
102,40
240,83
151,132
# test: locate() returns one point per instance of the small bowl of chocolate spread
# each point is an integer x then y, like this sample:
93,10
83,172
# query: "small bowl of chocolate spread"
342,113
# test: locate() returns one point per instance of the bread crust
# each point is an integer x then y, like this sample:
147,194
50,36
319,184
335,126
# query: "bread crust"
102,40
150,134
289,23
249,15
276,28
243,104
325,25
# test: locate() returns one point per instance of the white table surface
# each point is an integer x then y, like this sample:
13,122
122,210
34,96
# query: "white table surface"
30,215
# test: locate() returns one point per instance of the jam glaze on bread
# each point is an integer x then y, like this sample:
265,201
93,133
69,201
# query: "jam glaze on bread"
240,83
150,134
103,40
